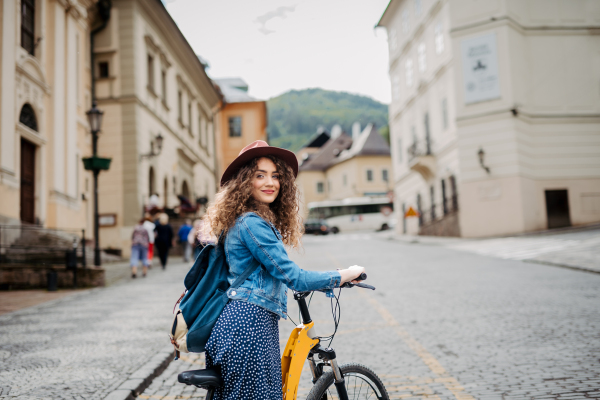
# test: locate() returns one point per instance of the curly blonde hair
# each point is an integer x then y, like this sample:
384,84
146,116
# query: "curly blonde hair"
235,199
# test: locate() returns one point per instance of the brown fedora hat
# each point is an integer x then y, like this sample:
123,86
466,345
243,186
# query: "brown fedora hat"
256,149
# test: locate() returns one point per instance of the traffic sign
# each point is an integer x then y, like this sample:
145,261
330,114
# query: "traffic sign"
411,213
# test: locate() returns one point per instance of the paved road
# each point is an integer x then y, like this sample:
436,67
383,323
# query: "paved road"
86,345
450,324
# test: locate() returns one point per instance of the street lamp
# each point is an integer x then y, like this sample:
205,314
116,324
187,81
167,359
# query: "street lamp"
95,164
481,155
158,140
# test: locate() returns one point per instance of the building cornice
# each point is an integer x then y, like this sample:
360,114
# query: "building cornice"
181,47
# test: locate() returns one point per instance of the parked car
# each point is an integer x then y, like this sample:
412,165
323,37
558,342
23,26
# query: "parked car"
316,226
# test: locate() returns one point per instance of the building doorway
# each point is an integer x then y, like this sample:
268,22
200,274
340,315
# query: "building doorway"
27,181
557,208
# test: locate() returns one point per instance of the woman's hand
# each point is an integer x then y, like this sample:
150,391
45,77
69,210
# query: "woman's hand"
351,273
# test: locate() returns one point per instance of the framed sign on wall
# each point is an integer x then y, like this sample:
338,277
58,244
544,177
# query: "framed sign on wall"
107,220
480,68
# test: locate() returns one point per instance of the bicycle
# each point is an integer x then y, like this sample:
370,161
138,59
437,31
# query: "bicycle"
346,382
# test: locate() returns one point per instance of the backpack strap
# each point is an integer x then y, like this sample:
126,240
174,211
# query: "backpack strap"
240,279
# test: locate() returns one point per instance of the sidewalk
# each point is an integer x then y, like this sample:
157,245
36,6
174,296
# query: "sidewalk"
576,248
91,344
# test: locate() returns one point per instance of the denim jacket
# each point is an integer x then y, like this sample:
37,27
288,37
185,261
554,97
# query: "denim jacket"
254,241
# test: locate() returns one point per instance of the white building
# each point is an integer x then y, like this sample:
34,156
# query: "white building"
495,111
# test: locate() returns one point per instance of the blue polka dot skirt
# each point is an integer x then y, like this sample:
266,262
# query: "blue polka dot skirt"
244,344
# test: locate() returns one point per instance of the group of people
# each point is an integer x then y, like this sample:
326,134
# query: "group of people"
148,235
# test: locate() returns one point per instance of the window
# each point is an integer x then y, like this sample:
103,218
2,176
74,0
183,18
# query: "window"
369,175
395,87
28,25
422,57
384,175
409,72
150,72
444,113
163,86
320,187
345,180
405,22
190,117
27,117
400,151
427,133
444,198
103,71
439,39
418,7
201,130
179,106
235,126
393,39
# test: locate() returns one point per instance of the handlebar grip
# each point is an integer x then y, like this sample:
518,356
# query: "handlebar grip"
362,277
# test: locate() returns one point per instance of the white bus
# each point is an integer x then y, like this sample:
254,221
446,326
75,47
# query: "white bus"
354,213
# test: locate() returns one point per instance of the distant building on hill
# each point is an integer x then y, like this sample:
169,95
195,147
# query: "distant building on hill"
341,166
242,120
495,111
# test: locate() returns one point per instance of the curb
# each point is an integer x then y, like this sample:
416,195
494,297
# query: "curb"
143,377
553,264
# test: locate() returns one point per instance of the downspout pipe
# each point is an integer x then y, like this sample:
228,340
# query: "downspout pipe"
104,7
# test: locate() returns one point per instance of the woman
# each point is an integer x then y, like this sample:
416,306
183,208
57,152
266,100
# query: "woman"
150,226
163,239
255,214
139,249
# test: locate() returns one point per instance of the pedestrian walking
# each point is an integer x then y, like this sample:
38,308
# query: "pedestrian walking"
139,249
150,226
163,240
255,214
183,234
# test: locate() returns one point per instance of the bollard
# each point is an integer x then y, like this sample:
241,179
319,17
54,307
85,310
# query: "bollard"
71,263
52,278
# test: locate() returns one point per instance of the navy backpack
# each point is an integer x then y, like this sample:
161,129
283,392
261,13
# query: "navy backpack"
204,298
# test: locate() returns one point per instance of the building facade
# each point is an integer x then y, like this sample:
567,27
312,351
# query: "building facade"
242,120
495,112
44,133
150,85
344,166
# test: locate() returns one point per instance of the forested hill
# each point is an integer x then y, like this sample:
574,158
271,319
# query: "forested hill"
295,116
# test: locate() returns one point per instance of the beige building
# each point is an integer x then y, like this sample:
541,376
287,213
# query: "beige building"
150,83
341,167
44,133
242,120
495,111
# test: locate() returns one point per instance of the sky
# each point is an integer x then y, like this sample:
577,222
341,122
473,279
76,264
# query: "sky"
279,45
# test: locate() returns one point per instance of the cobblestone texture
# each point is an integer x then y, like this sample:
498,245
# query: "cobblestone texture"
86,345
447,324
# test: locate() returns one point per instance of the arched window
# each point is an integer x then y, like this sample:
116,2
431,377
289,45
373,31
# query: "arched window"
151,188
27,117
185,190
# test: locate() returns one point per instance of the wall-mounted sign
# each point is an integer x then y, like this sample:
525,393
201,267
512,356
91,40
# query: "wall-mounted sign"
107,219
480,68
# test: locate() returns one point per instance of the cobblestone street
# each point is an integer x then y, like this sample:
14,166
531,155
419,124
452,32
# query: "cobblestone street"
442,324
447,324
86,345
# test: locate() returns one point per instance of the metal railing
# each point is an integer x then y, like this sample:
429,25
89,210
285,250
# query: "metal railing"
419,148
438,211
33,244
